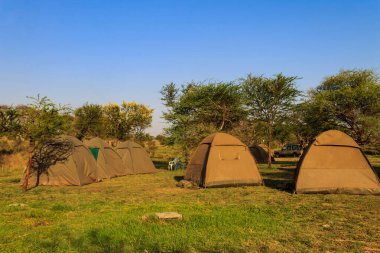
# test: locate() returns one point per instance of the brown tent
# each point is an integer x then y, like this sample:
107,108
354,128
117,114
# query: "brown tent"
135,158
106,157
260,153
79,168
222,160
334,163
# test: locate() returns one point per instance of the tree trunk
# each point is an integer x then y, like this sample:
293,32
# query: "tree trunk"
221,126
27,172
269,146
223,121
38,178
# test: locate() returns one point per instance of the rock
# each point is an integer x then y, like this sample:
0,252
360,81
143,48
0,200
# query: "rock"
186,184
326,225
169,216
17,204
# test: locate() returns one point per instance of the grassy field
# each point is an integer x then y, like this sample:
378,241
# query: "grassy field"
118,216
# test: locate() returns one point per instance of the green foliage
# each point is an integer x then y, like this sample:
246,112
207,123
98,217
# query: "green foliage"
161,138
114,123
43,119
169,94
309,120
351,100
138,118
9,121
151,147
200,109
127,121
217,104
89,121
284,133
250,132
270,100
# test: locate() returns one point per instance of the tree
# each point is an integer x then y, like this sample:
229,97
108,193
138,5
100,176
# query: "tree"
114,123
48,153
161,139
351,100
89,121
9,120
218,104
250,132
9,127
127,121
151,147
308,120
198,109
138,118
42,121
270,100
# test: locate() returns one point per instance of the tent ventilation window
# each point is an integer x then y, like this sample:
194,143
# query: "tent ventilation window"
95,152
229,156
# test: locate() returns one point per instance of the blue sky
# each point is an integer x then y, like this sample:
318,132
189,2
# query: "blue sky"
108,51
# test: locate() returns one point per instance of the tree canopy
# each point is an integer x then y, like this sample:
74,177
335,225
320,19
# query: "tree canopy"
270,100
265,109
351,101
89,121
196,110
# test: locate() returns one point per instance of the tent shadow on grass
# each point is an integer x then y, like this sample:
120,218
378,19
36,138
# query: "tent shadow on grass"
178,178
281,185
290,163
377,169
160,164
281,178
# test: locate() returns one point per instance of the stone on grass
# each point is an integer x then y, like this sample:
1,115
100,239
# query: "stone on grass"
17,204
186,184
169,216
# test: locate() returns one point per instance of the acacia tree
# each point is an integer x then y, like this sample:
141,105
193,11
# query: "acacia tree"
89,120
270,100
42,120
308,119
351,100
196,110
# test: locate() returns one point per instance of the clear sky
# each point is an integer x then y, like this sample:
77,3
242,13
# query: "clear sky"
108,51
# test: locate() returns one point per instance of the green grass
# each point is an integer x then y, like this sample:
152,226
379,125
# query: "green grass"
117,216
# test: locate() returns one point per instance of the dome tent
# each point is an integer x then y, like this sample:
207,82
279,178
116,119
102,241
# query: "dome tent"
79,168
260,153
136,159
222,160
334,163
106,157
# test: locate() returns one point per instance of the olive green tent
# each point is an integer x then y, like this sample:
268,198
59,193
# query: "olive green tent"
334,163
135,158
78,168
260,153
222,160
106,157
